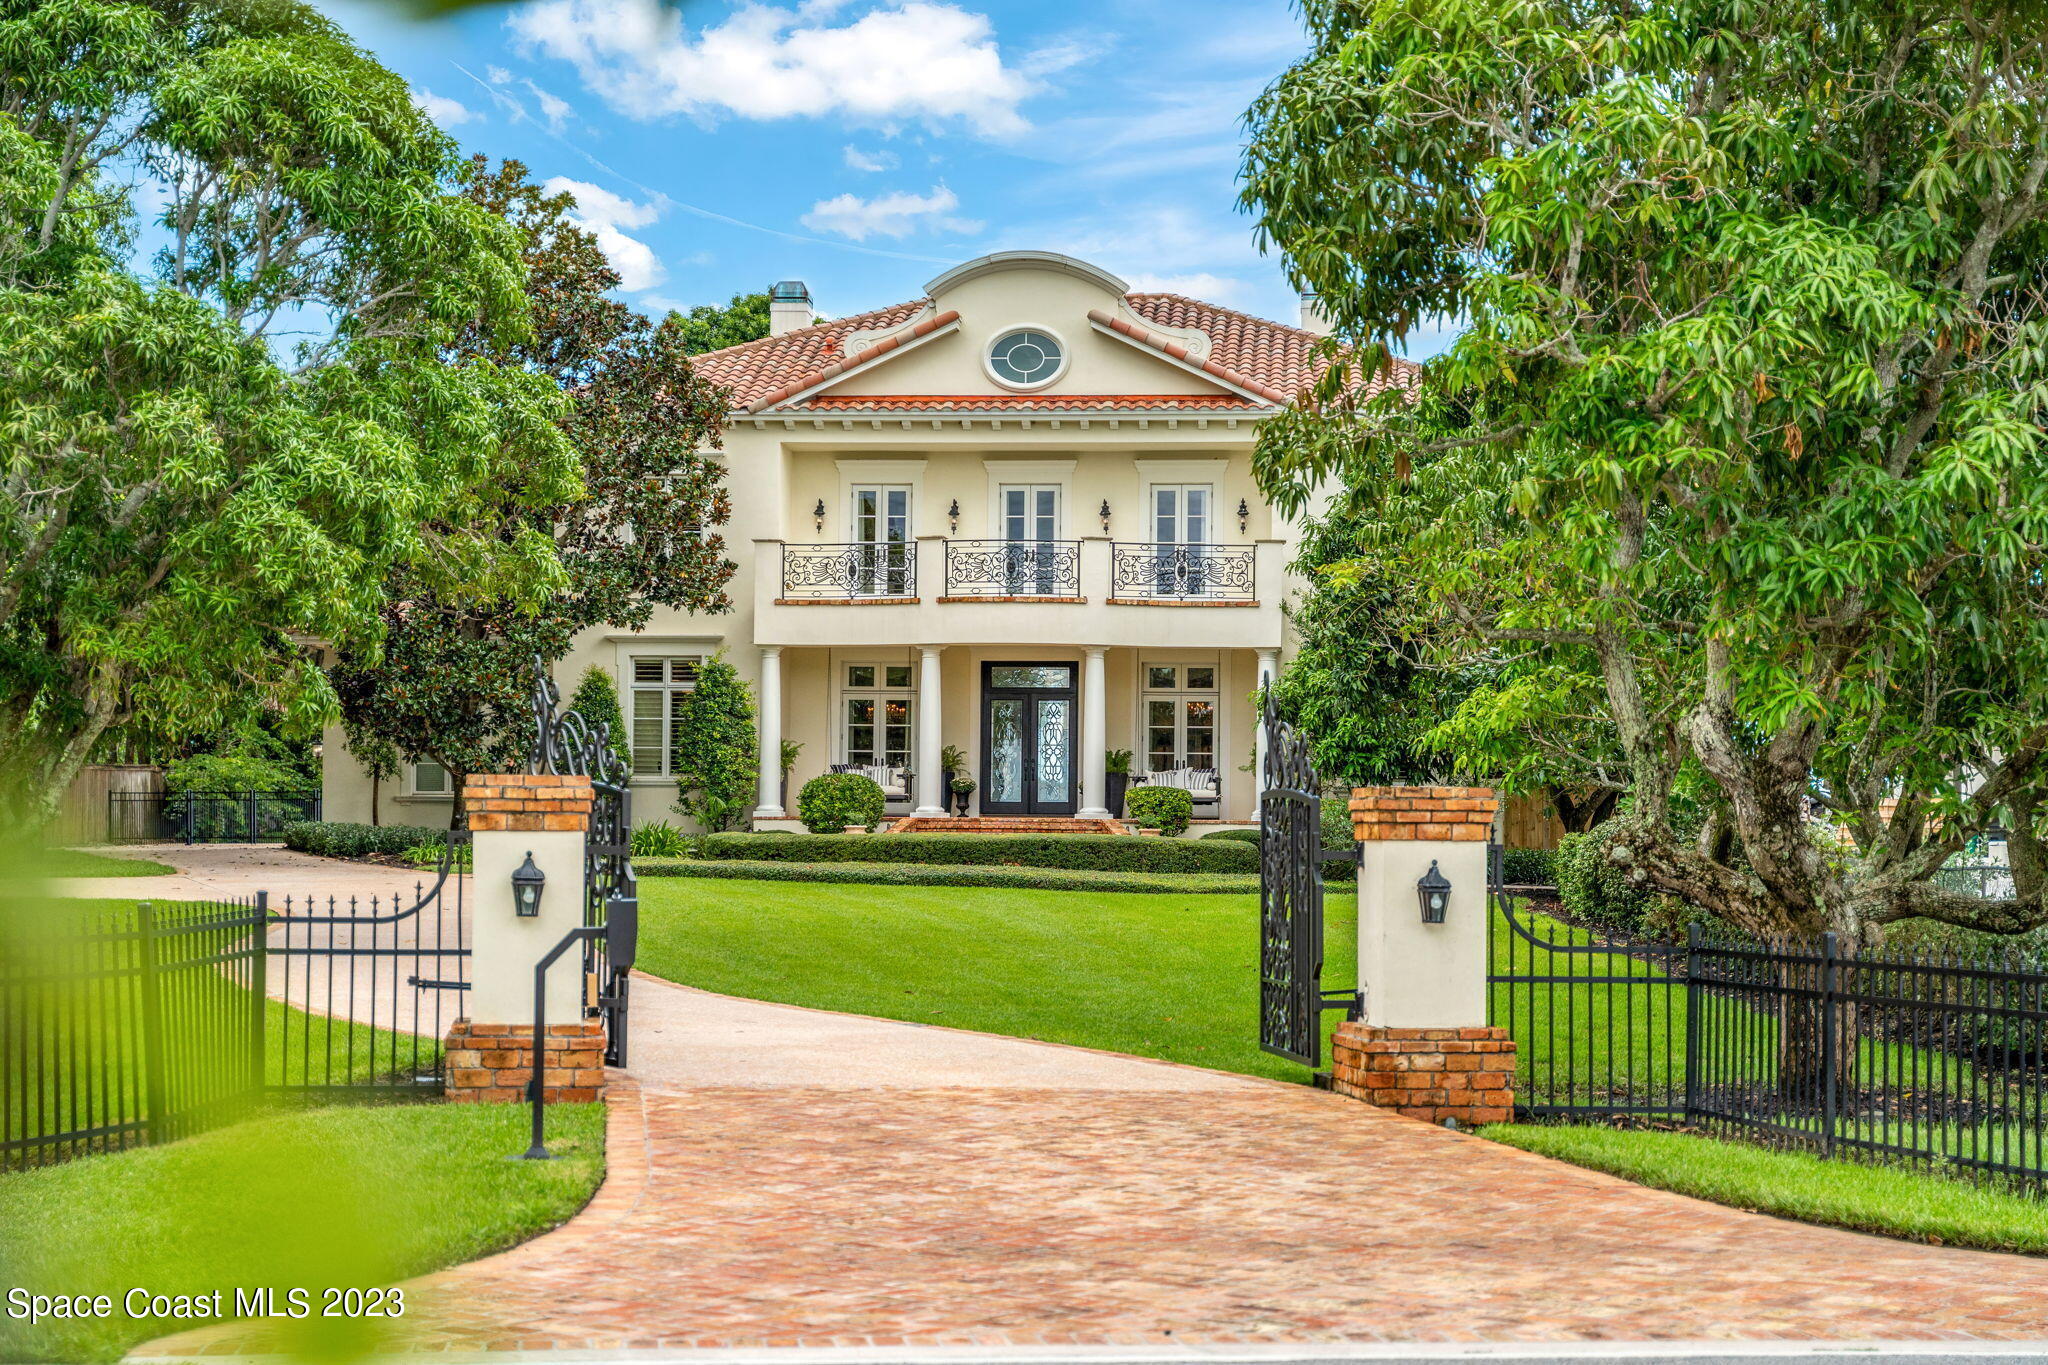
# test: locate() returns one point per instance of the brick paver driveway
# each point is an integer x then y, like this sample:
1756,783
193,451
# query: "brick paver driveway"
835,1199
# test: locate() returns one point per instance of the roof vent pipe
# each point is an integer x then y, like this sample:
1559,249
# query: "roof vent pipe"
1312,319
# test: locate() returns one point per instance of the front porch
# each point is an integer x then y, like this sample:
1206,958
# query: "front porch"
1031,726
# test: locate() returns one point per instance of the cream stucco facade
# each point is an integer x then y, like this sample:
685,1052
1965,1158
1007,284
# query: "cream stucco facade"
914,520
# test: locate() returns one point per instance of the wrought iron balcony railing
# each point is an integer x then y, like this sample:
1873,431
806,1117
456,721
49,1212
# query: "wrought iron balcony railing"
1210,573
864,569
1013,568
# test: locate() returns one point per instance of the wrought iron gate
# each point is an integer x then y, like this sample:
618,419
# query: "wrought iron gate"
1291,858
566,742
371,984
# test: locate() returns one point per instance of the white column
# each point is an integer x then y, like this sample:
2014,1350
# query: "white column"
1094,733
931,792
1269,669
770,806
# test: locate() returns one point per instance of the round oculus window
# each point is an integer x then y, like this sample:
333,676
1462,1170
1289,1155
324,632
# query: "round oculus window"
1025,358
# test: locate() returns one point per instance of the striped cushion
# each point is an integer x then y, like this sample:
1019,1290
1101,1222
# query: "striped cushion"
1194,781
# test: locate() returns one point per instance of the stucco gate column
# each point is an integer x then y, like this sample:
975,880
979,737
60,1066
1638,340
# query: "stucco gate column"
931,793
769,806
1094,733
1424,1047
490,1051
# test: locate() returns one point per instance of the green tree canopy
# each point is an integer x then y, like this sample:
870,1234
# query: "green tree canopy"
1740,454
214,460
452,681
707,327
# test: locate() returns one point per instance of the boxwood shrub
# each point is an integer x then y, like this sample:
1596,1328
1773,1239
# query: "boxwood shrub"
1080,852
1529,866
340,839
1166,809
835,802
1243,836
911,874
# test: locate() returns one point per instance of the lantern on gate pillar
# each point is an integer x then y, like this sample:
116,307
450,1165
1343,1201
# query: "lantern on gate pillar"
527,884
1433,889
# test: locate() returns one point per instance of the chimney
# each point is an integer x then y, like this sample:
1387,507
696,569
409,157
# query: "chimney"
1312,319
789,307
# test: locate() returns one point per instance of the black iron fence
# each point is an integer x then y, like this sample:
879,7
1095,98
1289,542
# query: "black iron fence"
862,569
144,1023
1891,1055
126,1026
1013,568
1222,573
230,817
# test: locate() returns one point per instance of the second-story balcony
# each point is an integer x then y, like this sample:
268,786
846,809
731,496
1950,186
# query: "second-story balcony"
862,571
1152,571
1018,570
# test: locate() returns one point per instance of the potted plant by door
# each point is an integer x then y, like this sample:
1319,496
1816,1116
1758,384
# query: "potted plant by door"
963,788
952,764
790,752
1116,773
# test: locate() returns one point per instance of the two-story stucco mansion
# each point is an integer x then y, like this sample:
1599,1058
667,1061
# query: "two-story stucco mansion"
1016,517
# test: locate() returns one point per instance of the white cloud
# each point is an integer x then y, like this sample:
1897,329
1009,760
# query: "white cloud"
442,110
896,214
907,59
1201,284
603,214
553,108
498,74
858,160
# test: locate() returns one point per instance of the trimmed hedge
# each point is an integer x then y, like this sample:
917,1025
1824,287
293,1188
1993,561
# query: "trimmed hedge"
1529,866
340,839
1243,836
1076,852
909,874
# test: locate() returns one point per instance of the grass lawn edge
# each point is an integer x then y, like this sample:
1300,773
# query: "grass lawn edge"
1877,1201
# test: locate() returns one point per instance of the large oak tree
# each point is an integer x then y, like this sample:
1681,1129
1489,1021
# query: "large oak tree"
233,265
1739,456
452,682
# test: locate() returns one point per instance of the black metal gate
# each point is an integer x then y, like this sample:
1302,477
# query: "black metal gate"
369,985
566,742
1291,858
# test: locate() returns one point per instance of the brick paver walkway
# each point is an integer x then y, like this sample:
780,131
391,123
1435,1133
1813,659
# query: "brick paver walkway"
1252,1213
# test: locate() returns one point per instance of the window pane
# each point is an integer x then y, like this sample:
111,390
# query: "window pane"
429,778
1052,675
860,710
647,733
647,670
1159,678
1158,750
1159,712
860,675
683,670
675,728
896,675
1201,679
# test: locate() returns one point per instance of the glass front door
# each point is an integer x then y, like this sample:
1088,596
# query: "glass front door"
1027,739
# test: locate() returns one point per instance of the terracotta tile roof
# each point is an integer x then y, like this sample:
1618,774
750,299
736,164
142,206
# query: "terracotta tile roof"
1262,357
1026,402
753,369
1166,345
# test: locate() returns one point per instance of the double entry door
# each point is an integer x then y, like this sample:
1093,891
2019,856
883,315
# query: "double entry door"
1027,739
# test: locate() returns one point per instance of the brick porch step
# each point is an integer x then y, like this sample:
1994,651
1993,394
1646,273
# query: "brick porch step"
1004,824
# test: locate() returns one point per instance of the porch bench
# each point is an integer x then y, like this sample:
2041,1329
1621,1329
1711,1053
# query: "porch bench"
1199,783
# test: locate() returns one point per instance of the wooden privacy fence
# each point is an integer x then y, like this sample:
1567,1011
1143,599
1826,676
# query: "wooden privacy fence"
83,815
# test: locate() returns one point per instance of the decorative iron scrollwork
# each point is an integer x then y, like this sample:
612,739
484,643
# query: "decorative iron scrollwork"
1198,572
1291,858
863,569
565,742
1013,568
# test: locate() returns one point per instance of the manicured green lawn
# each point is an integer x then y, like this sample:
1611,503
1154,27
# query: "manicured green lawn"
1173,976
76,862
337,1197
1893,1201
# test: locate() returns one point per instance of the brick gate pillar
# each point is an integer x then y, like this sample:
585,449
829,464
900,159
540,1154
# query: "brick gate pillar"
1424,1047
490,1051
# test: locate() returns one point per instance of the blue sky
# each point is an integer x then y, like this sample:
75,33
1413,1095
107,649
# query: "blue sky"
864,145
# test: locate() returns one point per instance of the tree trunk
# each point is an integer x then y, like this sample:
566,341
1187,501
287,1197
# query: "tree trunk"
376,786
458,812
1817,1037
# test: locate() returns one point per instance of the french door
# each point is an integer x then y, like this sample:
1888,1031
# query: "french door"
1180,531
881,539
1027,739
1031,522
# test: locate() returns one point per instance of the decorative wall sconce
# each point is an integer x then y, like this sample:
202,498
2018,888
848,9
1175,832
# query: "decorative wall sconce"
818,516
1104,514
953,518
527,884
1244,515
1434,890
